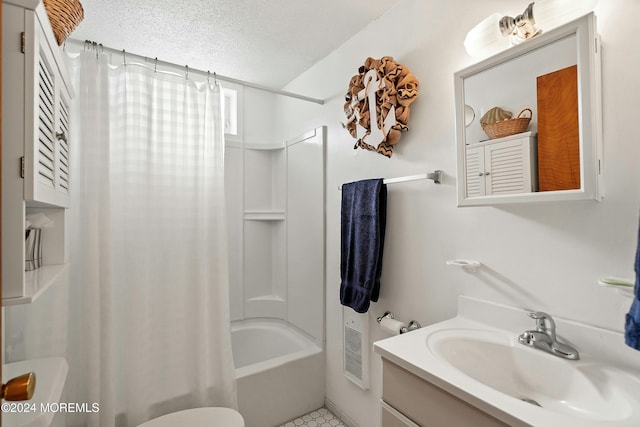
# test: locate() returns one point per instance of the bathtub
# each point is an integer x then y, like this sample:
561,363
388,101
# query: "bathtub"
279,371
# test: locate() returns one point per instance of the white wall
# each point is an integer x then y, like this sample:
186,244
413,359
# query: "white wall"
543,256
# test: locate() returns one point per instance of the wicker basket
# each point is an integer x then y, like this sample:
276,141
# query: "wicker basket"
64,15
508,127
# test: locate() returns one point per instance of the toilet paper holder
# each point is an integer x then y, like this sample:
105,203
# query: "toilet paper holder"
412,326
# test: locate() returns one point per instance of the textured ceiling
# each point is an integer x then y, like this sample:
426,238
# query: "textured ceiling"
268,42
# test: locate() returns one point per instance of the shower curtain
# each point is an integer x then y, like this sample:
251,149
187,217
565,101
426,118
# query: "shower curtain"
149,320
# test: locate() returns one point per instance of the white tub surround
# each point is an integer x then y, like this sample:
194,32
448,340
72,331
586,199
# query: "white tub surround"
277,366
571,403
275,211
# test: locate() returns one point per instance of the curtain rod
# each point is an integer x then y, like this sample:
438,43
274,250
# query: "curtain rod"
196,71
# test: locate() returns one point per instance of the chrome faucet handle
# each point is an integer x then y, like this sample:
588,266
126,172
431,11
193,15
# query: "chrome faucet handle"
541,319
544,337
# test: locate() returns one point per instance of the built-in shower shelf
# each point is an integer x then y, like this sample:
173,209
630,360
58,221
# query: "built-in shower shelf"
36,282
266,215
266,306
265,146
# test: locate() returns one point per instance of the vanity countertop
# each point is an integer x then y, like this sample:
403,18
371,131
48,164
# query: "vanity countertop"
598,347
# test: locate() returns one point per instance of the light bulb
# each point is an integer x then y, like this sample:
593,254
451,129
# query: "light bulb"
485,39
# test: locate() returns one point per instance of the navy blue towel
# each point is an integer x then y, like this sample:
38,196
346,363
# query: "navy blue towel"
364,217
632,324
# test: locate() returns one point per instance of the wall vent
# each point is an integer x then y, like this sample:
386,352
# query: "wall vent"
356,347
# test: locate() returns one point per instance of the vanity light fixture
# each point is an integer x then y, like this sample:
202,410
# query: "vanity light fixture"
497,32
485,39
520,28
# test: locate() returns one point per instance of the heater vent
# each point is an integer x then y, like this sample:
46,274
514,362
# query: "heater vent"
356,349
353,352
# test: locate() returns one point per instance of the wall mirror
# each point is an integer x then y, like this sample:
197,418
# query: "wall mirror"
555,75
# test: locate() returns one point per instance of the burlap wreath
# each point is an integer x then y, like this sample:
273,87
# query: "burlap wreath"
393,88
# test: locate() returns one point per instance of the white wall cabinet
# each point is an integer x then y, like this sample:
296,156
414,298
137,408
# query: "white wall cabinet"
36,146
502,166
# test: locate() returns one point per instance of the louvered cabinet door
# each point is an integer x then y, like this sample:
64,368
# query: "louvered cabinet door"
508,167
46,161
475,171
502,166
64,143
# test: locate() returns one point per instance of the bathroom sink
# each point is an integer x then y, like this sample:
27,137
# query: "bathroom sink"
586,388
476,357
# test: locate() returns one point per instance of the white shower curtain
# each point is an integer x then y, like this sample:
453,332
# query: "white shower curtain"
149,324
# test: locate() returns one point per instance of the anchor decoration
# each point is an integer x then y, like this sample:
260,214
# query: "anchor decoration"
377,104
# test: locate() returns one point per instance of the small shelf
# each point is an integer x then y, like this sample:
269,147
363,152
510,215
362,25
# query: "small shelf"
623,286
266,215
36,283
268,298
51,374
265,147
272,306
468,265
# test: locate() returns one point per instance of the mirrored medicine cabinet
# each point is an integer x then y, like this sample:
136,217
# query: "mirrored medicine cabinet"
559,157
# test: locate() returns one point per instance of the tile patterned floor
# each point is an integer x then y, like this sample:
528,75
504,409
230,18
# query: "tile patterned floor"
319,418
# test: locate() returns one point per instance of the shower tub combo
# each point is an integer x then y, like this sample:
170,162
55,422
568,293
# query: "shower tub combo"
279,371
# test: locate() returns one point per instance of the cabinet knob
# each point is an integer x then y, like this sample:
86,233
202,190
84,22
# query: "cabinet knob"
480,174
487,173
19,388
61,135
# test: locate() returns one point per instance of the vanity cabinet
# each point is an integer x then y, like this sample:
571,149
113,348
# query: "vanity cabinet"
410,401
36,147
502,166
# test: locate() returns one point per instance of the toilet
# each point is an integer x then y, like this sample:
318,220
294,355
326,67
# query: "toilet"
205,417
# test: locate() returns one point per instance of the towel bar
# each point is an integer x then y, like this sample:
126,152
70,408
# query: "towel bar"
436,176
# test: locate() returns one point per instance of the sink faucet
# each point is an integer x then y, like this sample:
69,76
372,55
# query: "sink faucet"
544,337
